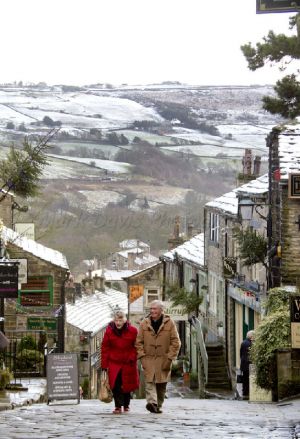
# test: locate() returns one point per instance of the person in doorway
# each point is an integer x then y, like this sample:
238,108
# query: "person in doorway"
119,358
157,345
245,362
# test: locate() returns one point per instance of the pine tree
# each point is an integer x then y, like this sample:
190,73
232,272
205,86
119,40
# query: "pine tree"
279,49
21,169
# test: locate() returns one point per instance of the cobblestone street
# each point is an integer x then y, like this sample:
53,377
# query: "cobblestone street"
182,418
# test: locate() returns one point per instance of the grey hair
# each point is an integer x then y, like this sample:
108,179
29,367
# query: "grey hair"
119,315
250,334
159,303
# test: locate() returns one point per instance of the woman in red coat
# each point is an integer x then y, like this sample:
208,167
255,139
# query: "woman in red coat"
118,356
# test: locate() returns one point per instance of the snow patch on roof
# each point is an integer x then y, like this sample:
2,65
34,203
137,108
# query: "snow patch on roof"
113,275
229,202
289,151
93,312
192,250
47,254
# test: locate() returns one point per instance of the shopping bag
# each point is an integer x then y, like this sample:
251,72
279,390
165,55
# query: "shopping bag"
4,342
239,378
105,393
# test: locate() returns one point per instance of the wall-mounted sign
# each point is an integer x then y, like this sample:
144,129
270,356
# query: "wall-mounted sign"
26,230
229,267
295,321
294,185
42,323
135,292
270,6
8,281
177,313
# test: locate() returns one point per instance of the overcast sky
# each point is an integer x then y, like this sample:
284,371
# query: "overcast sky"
133,41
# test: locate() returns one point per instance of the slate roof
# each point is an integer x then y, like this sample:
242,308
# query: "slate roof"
47,254
289,150
192,250
229,202
91,313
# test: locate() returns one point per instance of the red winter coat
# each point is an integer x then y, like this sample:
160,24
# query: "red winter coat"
118,353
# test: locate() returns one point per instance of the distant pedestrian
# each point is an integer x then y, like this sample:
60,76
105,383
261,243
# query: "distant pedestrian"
157,345
119,358
245,362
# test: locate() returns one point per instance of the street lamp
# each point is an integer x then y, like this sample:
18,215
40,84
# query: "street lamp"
245,209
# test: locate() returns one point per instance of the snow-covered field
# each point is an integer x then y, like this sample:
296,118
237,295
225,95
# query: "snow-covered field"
72,109
109,165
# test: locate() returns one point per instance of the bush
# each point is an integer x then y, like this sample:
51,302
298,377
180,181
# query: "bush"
273,333
27,342
29,360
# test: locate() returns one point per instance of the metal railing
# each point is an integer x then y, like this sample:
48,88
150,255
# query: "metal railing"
26,353
201,345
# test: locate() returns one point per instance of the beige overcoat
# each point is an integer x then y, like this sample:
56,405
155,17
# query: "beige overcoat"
156,351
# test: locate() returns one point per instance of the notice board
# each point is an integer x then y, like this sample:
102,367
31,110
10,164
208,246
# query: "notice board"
62,377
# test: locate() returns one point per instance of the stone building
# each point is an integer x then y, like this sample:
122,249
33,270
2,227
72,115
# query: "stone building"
143,287
284,199
235,291
183,266
41,296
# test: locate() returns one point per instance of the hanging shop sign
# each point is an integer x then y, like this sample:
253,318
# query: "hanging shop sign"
135,291
22,270
270,6
295,321
229,267
8,281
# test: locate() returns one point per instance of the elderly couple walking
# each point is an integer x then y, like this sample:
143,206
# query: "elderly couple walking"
156,344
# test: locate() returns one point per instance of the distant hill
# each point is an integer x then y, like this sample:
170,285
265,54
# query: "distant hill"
126,160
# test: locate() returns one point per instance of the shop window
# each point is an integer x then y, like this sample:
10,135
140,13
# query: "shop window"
37,292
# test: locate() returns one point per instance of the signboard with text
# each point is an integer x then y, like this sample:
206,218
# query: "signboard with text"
8,281
136,291
42,323
295,321
26,230
62,377
270,6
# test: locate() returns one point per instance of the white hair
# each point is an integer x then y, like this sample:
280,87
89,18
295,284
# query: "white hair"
119,315
158,303
250,334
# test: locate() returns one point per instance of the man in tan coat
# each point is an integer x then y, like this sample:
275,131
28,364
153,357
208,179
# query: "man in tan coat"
157,345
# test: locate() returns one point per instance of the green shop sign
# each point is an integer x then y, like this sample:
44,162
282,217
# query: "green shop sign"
42,324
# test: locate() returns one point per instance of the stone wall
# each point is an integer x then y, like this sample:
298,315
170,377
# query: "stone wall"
288,373
290,261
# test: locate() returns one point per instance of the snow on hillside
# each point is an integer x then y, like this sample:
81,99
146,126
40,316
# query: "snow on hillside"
109,165
75,109
96,200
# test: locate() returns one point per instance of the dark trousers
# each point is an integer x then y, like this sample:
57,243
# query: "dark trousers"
121,398
245,382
